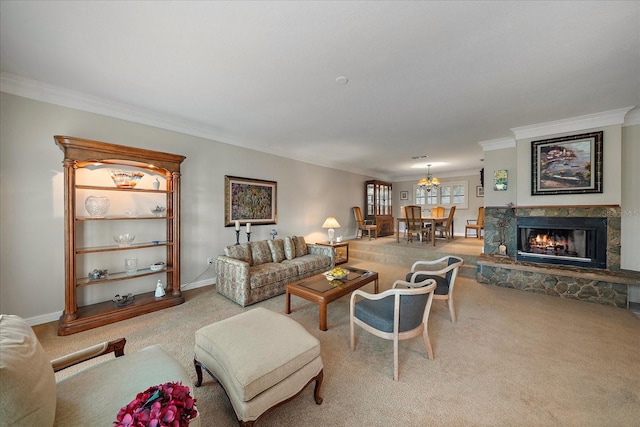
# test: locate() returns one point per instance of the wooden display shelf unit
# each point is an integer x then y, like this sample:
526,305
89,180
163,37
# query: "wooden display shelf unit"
82,153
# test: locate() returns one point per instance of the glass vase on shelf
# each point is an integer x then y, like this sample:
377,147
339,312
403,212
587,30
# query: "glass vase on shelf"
97,206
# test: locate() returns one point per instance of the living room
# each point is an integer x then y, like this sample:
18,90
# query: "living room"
32,191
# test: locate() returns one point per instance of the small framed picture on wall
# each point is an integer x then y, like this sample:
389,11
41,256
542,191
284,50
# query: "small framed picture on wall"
479,191
404,195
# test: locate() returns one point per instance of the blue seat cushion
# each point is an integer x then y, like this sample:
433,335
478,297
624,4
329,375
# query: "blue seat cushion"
379,313
442,285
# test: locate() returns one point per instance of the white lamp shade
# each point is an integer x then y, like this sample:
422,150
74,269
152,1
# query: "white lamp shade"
331,222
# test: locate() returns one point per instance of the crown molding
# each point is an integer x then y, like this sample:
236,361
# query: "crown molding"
573,124
632,118
497,144
31,89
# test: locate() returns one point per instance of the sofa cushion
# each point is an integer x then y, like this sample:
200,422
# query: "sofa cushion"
241,252
271,272
289,248
277,249
260,252
28,391
309,264
301,246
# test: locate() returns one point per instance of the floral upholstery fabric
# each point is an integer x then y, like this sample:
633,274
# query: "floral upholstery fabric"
289,248
271,272
301,246
277,250
241,252
260,252
248,284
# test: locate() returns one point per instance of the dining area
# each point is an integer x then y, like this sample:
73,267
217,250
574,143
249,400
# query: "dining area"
421,227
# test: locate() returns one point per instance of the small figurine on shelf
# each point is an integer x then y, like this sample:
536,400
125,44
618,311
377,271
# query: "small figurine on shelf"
159,289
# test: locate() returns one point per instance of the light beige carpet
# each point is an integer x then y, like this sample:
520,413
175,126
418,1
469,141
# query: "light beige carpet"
513,358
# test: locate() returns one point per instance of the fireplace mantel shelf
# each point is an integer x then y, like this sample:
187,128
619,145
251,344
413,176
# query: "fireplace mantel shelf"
626,277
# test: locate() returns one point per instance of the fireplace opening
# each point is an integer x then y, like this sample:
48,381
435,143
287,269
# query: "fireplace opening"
573,241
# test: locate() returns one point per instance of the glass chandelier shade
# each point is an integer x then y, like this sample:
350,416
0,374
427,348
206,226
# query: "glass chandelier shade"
429,181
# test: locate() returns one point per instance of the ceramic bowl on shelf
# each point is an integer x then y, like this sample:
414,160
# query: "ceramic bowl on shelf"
125,179
157,266
124,240
158,210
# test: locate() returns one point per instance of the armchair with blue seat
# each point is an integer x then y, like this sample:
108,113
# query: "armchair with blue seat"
444,277
396,314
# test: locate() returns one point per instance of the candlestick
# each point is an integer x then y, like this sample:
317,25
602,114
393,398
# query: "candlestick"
237,225
248,237
248,227
237,237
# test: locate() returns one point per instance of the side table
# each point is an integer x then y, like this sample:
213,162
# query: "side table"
341,250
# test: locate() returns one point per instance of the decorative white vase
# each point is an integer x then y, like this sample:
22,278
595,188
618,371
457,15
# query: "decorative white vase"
502,250
97,206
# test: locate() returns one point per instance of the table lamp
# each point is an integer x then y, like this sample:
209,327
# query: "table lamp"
331,223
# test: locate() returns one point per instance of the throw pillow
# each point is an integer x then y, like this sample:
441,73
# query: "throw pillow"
260,252
301,246
289,248
241,252
28,392
277,249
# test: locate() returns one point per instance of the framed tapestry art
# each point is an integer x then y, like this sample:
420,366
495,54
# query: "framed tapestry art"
249,201
567,165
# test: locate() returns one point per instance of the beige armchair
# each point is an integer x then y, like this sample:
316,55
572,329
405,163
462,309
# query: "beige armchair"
30,395
396,314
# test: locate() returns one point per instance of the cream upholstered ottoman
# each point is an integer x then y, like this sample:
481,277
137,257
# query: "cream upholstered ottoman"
261,358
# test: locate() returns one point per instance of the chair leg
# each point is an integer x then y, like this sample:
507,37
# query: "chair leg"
451,309
427,343
395,359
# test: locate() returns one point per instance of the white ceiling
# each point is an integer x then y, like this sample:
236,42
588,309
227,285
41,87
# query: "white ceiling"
425,78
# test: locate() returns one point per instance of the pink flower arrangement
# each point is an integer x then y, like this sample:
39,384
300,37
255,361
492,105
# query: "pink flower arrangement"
168,404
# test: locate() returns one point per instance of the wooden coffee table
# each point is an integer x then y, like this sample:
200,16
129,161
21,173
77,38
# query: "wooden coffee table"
321,291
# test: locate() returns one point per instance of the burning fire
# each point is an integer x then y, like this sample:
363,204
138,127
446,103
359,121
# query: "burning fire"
544,243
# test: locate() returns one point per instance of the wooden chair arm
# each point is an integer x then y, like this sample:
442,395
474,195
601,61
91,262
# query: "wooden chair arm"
115,346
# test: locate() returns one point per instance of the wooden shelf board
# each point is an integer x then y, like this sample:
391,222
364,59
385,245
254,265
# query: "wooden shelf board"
104,313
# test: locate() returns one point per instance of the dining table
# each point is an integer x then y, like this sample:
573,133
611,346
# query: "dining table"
433,220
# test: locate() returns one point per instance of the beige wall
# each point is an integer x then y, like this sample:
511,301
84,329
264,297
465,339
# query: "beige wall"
631,203
32,211
612,176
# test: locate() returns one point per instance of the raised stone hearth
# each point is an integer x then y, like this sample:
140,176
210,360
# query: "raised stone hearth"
607,286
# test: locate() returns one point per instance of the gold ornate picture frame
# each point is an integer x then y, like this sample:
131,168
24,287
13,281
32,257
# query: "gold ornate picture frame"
248,200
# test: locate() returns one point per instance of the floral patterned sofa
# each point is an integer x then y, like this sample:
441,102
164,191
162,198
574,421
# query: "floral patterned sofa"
256,271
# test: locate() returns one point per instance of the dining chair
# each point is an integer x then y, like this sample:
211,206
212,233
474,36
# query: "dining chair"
478,226
446,229
363,225
413,218
437,211
444,277
396,314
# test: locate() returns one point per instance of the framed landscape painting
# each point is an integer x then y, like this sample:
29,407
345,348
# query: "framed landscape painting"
567,165
248,200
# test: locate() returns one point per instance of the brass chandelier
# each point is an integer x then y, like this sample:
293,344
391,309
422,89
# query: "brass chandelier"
429,181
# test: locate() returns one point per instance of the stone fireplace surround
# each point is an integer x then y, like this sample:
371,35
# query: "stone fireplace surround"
607,286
